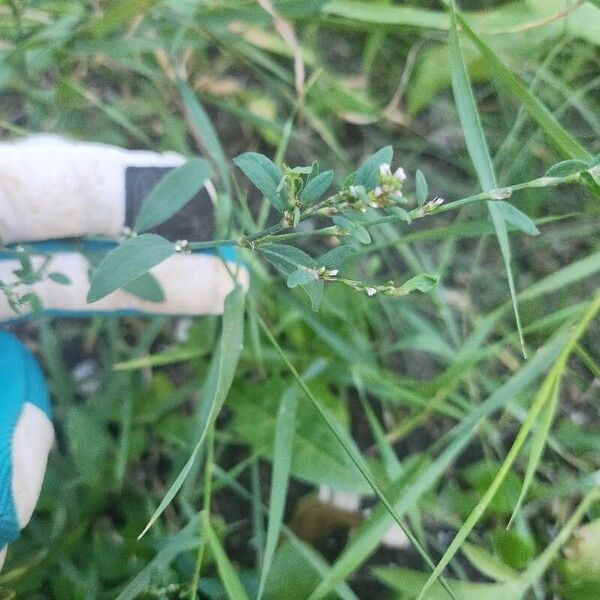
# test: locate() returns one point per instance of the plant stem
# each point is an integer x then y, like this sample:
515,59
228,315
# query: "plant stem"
274,233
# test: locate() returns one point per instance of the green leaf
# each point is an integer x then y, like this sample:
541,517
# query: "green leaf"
60,278
424,282
172,193
386,14
352,452
515,549
317,457
368,173
567,167
479,153
540,437
408,582
265,175
488,564
184,541
207,137
216,388
517,218
532,415
146,287
301,277
316,187
284,433
286,258
134,257
406,492
233,586
206,132
568,145
422,190
356,230
335,258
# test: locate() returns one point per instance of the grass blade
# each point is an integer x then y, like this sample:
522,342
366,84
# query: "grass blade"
536,407
281,471
233,586
352,452
537,447
218,383
480,155
564,142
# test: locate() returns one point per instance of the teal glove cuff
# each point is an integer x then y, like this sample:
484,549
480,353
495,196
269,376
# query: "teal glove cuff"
24,410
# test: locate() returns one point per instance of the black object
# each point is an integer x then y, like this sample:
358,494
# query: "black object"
194,222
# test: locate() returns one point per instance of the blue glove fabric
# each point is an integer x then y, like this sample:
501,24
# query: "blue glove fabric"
21,382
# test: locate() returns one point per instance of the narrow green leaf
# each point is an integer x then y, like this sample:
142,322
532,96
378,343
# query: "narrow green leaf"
218,383
567,167
408,582
316,187
233,586
127,262
184,541
368,173
60,278
265,175
335,258
424,282
172,193
488,564
541,398
353,228
301,277
517,218
422,190
479,153
354,455
206,133
540,437
386,14
406,492
284,433
286,258
146,287
567,144
206,136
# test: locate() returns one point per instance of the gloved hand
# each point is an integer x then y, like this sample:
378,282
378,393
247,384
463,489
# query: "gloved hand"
26,435
52,189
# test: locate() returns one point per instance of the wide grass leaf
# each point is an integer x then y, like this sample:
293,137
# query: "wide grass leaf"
128,262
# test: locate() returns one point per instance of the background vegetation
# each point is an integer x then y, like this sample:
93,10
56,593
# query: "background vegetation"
490,460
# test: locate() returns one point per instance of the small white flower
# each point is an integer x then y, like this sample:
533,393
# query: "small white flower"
333,272
400,174
437,201
353,191
378,191
385,170
371,291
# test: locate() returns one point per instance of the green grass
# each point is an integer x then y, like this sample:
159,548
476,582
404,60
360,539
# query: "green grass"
423,404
